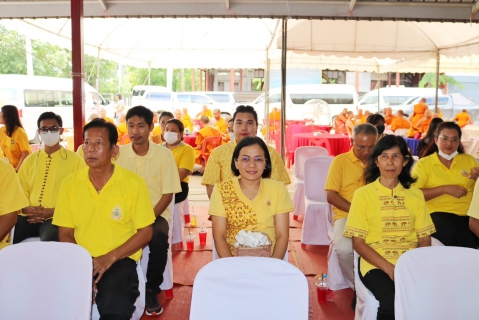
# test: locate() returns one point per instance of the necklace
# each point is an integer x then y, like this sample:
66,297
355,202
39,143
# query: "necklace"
97,188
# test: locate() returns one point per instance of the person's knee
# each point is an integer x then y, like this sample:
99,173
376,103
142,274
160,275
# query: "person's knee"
344,247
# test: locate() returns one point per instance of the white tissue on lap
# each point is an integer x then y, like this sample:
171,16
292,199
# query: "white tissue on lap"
251,239
317,133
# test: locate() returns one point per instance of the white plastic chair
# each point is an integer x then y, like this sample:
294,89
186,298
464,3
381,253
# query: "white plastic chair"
54,278
216,256
472,150
366,304
315,230
437,283
249,288
336,278
401,132
300,156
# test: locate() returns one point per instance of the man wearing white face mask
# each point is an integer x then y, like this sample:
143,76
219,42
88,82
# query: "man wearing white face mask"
41,175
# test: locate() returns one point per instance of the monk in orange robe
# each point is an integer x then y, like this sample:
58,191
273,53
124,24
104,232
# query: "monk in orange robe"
388,116
205,132
463,118
419,111
399,122
422,125
340,122
274,121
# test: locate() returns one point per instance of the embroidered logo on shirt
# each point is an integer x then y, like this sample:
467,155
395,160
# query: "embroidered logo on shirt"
268,203
465,173
116,213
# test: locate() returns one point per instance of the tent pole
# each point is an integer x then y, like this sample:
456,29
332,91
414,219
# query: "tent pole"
284,32
149,83
98,79
438,62
77,71
266,97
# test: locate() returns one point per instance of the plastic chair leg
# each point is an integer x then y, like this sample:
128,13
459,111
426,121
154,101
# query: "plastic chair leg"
303,246
169,293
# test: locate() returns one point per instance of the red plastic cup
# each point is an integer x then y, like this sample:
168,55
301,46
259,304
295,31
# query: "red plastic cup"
322,294
190,245
187,218
202,233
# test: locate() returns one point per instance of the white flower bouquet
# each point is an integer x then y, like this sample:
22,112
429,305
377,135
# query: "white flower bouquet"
252,244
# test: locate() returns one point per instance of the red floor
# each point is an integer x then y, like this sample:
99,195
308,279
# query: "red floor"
311,262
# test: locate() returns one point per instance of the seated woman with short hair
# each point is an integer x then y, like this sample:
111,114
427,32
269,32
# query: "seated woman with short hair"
250,201
387,218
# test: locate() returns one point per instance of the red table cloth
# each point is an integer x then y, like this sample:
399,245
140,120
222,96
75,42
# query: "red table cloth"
190,139
338,143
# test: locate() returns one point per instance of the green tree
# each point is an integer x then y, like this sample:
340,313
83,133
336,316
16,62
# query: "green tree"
429,80
12,52
51,60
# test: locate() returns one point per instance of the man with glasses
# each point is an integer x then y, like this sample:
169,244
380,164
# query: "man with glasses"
345,176
218,168
41,175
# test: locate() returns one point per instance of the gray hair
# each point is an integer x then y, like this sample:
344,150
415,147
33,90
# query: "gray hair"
365,128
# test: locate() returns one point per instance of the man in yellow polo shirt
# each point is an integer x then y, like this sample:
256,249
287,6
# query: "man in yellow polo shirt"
41,175
10,188
106,209
157,166
218,168
344,177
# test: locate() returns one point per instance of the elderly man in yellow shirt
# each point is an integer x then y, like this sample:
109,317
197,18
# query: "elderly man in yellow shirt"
41,175
106,209
157,166
345,176
218,168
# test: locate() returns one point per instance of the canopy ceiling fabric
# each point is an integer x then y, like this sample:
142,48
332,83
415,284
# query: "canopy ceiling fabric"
162,43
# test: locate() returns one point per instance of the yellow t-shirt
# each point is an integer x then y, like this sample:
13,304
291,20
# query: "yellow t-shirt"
41,175
345,176
390,221
122,130
186,120
218,167
228,200
432,173
157,168
473,212
11,193
462,119
105,221
184,155
221,125
14,146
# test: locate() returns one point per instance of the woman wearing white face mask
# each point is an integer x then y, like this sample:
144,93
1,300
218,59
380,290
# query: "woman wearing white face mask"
41,175
183,153
447,177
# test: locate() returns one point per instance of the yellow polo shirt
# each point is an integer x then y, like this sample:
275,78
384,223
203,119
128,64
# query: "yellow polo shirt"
105,221
474,207
157,168
184,155
41,175
221,125
11,193
229,201
345,176
14,146
390,221
218,167
431,173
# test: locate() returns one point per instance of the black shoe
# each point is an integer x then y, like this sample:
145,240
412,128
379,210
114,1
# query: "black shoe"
196,173
153,306
353,303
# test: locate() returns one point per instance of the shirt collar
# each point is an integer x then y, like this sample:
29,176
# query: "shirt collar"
353,157
132,154
182,143
397,189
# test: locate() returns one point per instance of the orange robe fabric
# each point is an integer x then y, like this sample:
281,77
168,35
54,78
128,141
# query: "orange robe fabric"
200,137
462,119
390,120
362,119
419,110
400,123
274,122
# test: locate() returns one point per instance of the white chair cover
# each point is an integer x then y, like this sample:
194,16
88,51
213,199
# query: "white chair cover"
474,147
249,288
401,132
178,221
336,278
437,283
315,230
216,256
300,156
366,304
54,280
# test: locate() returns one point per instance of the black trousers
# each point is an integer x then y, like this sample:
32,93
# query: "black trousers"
118,291
158,254
382,287
24,230
453,230
181,196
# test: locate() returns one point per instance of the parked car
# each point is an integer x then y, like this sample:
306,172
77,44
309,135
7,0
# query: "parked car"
450,105
194,101
153,97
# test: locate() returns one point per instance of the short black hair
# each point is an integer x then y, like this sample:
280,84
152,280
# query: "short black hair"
371,172
180,124
101,123
250,141
165,114
49,115
246,109
375,118
141,112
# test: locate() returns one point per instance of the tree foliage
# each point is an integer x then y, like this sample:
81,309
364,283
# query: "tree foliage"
429,80
12,52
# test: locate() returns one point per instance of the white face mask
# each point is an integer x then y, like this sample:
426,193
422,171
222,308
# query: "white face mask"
447,156
50,138
170,137
232,136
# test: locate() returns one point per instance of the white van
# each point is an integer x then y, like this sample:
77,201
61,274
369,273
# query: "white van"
153,97
34,95
392,97
194,101
337,96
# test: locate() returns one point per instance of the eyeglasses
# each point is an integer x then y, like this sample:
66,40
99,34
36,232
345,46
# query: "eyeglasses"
446,139
363,148
245,161
53,129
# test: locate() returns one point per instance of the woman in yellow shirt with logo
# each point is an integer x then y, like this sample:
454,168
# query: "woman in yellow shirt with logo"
387,218
13,139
